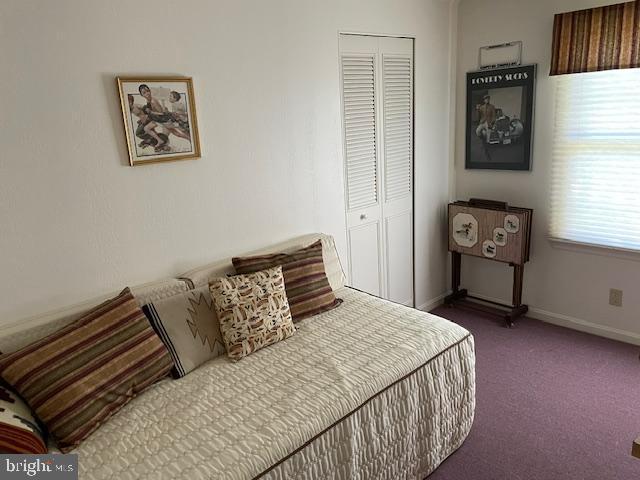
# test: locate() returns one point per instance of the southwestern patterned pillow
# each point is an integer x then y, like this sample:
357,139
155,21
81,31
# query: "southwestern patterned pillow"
253,311
77,377
308,289
19,429
188,325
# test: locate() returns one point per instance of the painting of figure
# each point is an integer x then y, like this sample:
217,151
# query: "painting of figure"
500,118
159,118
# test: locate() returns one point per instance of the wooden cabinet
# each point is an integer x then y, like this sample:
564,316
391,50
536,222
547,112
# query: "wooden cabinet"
509,232
494,231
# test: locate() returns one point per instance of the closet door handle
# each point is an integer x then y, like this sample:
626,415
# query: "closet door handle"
363,216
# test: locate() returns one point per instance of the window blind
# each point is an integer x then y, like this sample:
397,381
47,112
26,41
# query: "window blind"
595,184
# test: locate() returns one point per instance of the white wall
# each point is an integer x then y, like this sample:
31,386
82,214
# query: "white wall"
563,286
78,222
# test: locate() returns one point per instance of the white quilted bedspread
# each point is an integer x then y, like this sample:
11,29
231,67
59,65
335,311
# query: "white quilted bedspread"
368,390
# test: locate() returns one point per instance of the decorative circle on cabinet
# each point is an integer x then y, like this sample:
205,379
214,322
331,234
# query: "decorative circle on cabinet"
500,236
511,224
465,229
489,248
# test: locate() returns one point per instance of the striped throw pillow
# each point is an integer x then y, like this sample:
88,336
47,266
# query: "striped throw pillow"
305,280
79,376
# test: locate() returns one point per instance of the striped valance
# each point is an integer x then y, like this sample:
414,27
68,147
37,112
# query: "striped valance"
594,39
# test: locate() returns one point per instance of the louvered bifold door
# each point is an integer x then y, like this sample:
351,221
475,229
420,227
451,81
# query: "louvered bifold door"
397,171
358,77
398,126
360,115
377,115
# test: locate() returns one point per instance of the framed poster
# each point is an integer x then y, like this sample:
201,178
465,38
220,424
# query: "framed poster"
500,118
159,115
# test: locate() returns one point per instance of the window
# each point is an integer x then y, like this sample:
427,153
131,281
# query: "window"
595,189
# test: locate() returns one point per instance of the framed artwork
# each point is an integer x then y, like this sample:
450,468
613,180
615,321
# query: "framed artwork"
500,118
465,230
159,115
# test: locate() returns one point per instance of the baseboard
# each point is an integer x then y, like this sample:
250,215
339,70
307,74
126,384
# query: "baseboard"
433,303
574,323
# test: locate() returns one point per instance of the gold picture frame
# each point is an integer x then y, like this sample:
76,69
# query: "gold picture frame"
159,116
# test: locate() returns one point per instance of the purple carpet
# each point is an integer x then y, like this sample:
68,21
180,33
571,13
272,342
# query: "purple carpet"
551,403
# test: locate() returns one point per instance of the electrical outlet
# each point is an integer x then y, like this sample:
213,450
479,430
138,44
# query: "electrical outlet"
615,297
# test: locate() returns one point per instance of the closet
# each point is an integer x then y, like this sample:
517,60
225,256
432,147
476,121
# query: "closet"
376,78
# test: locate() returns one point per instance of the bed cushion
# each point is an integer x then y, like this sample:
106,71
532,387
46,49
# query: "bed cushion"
22,332
188,325
19,429
202,275
77,377
253,311
368,390
306,283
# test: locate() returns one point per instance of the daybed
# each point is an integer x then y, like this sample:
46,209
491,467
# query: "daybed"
370,389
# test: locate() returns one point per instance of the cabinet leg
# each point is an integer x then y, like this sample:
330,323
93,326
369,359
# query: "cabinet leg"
456,293
517,308
516,312
518,275
456,262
